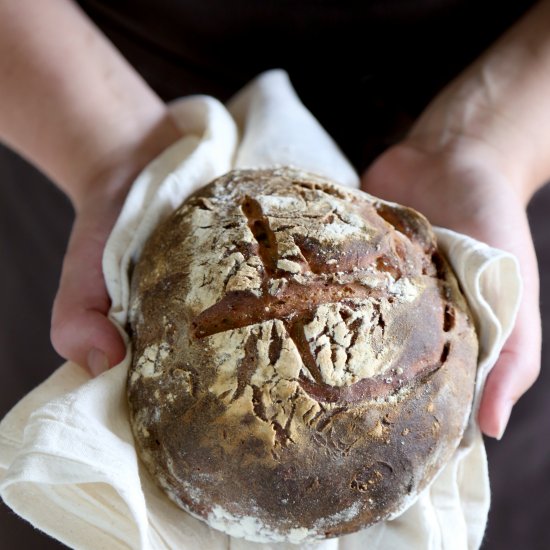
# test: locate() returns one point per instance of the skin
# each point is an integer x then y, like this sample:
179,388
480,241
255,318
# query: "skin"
471,163
473,159
91,128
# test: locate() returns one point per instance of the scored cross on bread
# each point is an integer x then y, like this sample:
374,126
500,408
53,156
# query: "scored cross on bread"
332,276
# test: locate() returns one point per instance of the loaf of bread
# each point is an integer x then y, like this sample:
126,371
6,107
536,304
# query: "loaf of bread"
304,360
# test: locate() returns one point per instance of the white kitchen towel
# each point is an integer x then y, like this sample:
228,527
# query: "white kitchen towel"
67,458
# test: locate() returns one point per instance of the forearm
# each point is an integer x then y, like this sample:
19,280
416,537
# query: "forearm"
502,101
70,103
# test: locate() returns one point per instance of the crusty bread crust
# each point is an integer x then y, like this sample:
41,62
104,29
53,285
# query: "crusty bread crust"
304,361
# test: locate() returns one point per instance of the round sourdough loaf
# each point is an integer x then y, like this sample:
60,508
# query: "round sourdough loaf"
304,361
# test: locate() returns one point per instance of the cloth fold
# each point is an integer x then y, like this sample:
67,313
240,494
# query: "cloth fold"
67,458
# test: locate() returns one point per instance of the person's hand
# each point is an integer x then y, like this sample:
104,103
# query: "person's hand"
466,188
76,109
80,329
471,162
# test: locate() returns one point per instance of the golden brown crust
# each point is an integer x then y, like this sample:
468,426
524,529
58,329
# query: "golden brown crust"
304,361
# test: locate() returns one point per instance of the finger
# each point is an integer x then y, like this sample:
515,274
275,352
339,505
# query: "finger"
81,330
514,373
519,363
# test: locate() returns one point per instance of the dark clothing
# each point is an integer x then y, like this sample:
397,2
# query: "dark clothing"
380,62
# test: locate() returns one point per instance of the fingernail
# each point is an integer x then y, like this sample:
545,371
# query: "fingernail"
97,362
504,418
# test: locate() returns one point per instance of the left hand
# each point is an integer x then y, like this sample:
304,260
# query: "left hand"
467,189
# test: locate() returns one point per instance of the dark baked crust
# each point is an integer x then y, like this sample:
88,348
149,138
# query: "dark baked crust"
304,361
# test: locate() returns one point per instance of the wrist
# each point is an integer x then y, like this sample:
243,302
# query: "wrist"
462,123
500,105
108,175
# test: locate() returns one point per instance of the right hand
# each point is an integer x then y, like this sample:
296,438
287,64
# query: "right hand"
75,108
81,330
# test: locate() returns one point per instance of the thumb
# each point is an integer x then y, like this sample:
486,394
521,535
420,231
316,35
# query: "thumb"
80,329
